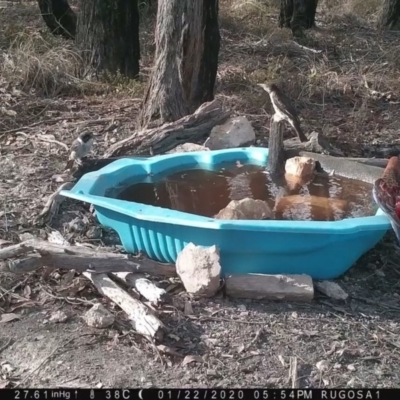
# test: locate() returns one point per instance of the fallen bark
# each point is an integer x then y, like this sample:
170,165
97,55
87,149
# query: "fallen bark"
78,258
144,286
143,321
158,140
270,287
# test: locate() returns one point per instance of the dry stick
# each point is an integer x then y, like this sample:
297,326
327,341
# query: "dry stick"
78,258
143,321
293,373
53,204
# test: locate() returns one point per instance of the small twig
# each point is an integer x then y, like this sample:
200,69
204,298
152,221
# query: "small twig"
69,300
44,139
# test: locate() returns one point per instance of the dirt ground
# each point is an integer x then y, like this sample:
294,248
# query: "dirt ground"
346,85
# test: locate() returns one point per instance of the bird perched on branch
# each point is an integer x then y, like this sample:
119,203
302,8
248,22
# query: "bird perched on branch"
284,109
386,193
80,148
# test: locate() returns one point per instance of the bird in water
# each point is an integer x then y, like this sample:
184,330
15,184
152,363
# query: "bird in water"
284,109
80,148
386,193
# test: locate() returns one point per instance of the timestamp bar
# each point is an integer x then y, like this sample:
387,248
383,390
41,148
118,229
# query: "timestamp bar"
199,394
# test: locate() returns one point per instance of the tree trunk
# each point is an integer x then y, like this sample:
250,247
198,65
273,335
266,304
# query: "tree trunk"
186,60
108,36
297,15
390,14
59,17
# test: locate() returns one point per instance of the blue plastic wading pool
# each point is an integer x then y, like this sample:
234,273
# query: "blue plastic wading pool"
323,250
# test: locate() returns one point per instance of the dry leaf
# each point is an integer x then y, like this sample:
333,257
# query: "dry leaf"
168,350
27,291
4,384
10,113
322,365
175,337
190,359
188,308
9,317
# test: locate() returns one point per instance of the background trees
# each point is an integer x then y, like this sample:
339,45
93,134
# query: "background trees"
186,59
390,14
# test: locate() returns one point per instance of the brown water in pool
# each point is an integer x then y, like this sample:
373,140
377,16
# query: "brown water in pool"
205,193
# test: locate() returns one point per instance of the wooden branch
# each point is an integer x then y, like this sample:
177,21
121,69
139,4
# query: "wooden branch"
142,319
78,258
144,286
270,287
276,155
317,143
190,128
52,205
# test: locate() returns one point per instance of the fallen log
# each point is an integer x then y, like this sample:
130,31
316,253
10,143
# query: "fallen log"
270,287
144,286
142,319
78,258
190,128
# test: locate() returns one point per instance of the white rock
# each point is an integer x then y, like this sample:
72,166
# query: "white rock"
199,269
58,316
245,209
188,147
236,132
300,166
99,317
331,289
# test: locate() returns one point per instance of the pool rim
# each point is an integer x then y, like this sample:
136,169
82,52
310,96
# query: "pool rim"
83,188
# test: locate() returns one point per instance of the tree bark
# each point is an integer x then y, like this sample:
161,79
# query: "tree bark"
297,15
390,14
59,17
108,36
186,60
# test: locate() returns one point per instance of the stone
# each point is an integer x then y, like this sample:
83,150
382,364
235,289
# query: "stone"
245,209
188,147
270,287
58,316
236,132
300,207
99,317
331,289
199,269
300,166
296,182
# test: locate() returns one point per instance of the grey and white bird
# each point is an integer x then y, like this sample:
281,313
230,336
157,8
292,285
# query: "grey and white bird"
284,109
80,148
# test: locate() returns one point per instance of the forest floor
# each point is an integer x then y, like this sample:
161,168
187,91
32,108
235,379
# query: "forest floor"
346,84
